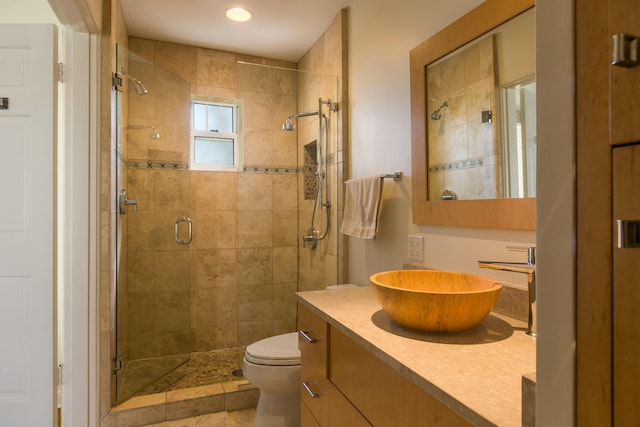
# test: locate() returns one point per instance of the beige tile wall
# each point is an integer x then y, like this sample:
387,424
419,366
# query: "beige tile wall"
327,264
240,271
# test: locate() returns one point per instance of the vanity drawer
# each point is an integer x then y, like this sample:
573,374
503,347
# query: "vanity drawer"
343,413
383,395
315,388
306,418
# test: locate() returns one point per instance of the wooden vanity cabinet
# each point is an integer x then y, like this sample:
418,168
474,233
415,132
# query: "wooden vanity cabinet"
312,341
355,388
328,407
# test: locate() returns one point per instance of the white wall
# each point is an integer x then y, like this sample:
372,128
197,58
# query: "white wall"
381,35
27,11
555,401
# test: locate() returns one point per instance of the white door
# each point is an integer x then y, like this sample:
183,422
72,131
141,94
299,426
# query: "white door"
27,217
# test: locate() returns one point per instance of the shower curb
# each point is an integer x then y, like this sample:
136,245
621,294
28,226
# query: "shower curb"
178,404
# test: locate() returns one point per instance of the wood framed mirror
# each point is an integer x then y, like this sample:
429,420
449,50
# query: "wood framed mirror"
501,213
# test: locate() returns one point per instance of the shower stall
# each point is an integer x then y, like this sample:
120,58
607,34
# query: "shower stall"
209,261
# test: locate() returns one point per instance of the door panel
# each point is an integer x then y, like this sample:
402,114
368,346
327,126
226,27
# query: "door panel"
626,291
625,82
27,215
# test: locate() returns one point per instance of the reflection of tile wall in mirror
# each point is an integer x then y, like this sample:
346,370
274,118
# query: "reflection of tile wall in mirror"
459,142
468,80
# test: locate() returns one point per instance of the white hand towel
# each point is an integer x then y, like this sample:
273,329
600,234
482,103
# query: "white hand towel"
362,207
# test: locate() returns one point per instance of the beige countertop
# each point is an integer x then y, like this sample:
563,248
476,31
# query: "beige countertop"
476,373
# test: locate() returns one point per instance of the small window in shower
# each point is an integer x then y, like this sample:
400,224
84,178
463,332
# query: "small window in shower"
214,136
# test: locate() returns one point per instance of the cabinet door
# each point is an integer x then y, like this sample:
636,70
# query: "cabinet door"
626,289
312,342
625,81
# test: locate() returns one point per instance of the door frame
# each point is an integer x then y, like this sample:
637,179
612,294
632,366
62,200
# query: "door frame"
594,238
79,222
79,254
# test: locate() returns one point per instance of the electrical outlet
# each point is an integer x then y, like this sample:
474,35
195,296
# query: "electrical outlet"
416,248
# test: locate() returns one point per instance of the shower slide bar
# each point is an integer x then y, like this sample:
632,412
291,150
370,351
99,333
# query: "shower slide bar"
189,231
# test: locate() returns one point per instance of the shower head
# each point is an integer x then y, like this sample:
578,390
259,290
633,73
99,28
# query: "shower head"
437,115
288,125
139,87
155,134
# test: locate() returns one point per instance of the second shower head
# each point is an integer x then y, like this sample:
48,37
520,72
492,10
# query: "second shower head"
437,115
288,124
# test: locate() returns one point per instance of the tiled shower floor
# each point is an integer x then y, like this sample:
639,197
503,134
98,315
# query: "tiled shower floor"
201,369
204,391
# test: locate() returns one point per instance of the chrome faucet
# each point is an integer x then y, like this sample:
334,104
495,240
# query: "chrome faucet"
527,268
311,237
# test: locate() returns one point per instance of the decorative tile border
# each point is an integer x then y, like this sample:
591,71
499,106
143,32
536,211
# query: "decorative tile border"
464,164
147,164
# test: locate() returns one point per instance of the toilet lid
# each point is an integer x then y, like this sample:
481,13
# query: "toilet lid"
280,350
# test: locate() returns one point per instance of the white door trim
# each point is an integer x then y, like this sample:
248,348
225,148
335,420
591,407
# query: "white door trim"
79,389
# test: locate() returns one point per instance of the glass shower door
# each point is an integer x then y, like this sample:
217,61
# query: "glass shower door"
153,289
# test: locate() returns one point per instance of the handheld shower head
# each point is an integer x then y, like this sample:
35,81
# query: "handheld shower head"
437,115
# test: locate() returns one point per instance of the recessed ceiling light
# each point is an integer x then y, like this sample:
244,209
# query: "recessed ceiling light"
239,14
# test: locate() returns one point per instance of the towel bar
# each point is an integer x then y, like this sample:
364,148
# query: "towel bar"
397,176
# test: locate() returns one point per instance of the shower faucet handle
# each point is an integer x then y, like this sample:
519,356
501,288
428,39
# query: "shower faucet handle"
123,202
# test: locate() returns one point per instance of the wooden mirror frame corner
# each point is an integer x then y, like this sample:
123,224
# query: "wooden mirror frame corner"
515,214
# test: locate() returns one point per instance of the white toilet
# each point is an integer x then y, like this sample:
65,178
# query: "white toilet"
273,365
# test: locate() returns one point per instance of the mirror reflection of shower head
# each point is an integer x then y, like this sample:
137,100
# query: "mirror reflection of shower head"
437,115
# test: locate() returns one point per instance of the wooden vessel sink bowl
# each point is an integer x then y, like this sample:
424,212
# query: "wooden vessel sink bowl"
435,301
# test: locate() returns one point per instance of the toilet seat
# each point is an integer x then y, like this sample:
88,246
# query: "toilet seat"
281,350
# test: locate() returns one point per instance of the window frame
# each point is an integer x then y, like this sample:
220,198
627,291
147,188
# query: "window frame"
234,137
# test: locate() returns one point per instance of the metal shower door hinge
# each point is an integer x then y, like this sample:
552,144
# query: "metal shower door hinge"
117,363
625,50
116,82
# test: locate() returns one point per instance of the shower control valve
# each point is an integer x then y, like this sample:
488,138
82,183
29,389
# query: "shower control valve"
123,202
311,236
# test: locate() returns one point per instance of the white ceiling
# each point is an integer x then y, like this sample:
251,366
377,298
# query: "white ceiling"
279,29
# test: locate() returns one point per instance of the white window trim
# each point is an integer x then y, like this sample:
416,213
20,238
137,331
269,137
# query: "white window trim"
237,164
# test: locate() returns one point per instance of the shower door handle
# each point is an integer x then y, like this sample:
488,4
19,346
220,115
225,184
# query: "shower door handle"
177,231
